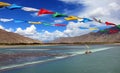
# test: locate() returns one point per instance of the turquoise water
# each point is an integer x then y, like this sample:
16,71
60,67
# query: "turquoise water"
104,59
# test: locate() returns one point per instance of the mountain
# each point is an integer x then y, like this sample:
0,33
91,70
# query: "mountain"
98,37
14,38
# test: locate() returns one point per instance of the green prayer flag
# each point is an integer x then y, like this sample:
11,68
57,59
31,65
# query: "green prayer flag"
103,30
56,14
47,24
118,26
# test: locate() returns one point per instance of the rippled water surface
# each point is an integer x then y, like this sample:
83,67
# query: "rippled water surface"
71,59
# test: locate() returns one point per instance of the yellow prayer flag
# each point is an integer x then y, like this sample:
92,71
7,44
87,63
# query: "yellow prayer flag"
72,18
30,22
3,4
93,28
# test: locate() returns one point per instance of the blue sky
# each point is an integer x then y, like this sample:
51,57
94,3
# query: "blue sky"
106,10
54,5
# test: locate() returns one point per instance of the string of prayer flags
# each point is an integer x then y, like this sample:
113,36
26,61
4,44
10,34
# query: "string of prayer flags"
56,15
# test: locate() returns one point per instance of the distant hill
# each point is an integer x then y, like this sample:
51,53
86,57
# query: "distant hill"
98,37
14,38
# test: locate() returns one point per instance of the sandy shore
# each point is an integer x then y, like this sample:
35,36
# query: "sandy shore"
13,46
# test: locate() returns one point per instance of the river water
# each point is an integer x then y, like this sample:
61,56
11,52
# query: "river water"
103,59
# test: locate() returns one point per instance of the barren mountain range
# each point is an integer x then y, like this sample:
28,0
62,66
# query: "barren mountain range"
98,37
14,38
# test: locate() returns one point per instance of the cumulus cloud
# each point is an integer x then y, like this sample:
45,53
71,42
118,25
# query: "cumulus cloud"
1,27
9,29
72,29
44,35
51,35
107,10
28,31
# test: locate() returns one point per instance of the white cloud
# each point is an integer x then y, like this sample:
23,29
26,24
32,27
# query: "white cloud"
44,35
5,20
1,27
71,1
36,14
28,31
58,21
71,30
30,9
31,32
107,10
74,30
51,35
9,29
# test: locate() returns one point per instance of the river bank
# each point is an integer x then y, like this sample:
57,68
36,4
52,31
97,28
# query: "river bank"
55,44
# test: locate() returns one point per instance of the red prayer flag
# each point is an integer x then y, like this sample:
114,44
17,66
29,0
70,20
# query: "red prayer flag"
109,23
60,24
113,31
44,11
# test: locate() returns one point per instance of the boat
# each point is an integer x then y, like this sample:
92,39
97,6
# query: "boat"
87,51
